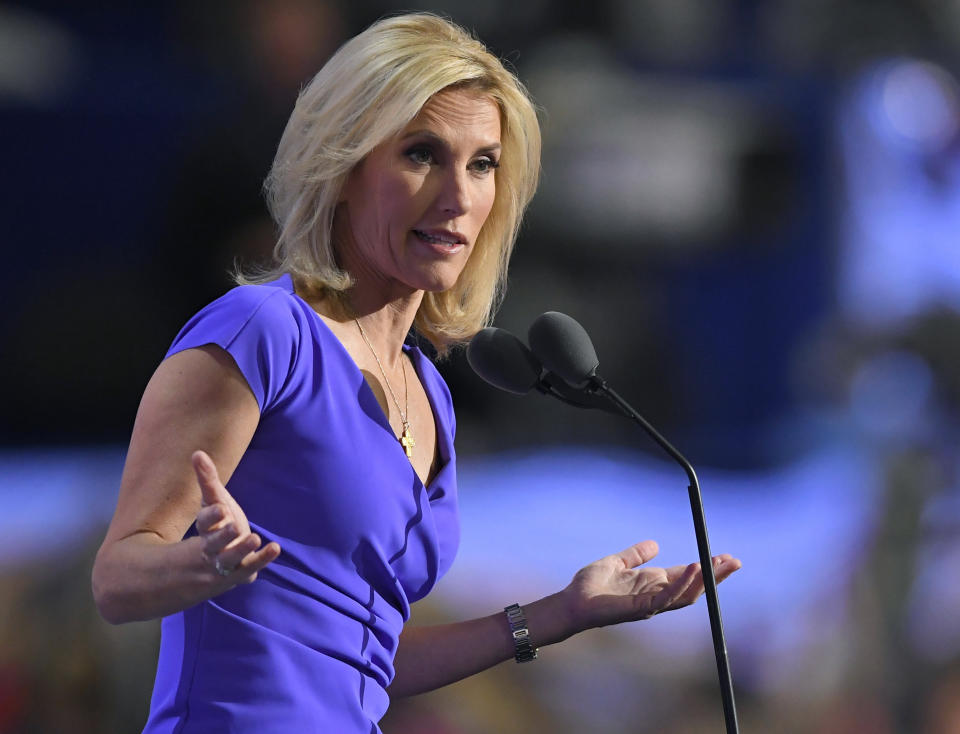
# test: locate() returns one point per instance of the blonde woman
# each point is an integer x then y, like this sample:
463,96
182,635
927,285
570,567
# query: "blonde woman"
398,189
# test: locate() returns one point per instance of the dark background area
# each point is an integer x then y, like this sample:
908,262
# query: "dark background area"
136,148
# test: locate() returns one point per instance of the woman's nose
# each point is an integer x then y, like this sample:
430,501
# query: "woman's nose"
454,198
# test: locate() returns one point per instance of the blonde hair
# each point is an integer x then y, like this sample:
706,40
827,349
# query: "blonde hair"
371,88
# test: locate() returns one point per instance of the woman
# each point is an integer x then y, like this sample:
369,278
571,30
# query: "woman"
398,189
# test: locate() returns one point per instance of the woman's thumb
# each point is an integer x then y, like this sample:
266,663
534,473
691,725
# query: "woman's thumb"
211,488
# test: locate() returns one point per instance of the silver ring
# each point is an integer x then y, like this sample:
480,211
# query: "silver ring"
220,569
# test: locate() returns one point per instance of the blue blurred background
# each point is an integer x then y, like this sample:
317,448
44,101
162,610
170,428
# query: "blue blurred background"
753,207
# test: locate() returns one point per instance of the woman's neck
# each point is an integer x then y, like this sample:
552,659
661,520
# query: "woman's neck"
384,322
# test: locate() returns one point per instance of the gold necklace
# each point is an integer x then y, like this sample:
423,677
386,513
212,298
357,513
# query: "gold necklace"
406,437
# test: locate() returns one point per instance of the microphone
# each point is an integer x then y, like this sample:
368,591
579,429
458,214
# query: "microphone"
505,362
563,347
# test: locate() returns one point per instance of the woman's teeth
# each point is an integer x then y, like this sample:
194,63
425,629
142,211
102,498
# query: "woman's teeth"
436,240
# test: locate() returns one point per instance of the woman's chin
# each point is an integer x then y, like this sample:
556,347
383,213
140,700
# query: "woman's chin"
438,280
438,287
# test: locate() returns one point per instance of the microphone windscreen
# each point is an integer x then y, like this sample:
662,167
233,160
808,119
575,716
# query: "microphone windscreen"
503,360
564,348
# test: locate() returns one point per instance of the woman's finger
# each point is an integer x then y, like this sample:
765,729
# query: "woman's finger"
212,490
721,569
676,591
244,569
256,562
232,556
211,518
638,553
215,542
724,565
727,567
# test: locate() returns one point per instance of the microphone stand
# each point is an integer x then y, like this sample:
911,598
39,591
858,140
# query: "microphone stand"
598,385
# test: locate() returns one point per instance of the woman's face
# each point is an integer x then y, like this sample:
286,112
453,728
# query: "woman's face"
416,203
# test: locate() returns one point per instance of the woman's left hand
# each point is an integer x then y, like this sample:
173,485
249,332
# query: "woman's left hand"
616,589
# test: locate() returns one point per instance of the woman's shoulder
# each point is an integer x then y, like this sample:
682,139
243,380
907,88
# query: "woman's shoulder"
267,311
260,325
271,306
275,296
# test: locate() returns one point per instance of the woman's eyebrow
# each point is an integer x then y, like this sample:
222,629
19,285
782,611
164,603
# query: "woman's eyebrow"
491,148
432,137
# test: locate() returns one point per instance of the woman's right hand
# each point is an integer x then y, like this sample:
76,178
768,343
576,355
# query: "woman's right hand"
232,553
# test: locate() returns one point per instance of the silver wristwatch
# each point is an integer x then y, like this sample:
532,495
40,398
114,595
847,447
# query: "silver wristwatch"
523,649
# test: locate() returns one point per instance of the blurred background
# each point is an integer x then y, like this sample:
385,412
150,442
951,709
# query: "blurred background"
753,207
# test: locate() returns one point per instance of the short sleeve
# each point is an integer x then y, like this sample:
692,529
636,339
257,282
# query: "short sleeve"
257,326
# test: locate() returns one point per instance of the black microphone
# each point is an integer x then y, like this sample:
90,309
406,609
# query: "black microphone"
503,360
563,346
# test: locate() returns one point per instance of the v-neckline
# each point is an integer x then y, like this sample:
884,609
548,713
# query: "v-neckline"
444,449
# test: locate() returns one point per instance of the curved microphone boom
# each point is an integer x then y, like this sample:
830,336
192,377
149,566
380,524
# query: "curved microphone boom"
566,352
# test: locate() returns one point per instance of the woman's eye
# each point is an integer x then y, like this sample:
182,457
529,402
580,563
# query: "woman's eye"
420,156
485,165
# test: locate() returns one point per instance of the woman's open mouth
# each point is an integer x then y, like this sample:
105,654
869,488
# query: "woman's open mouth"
441,239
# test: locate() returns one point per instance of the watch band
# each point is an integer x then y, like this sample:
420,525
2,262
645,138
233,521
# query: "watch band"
523,648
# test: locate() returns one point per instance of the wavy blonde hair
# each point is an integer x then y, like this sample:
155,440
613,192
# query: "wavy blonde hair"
368,92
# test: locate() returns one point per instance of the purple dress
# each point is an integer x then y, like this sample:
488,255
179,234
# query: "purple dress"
309,646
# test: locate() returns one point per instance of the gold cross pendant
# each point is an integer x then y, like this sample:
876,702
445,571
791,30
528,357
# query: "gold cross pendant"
406,440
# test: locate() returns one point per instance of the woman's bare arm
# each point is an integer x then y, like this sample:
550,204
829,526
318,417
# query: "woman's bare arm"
196,400
617,588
